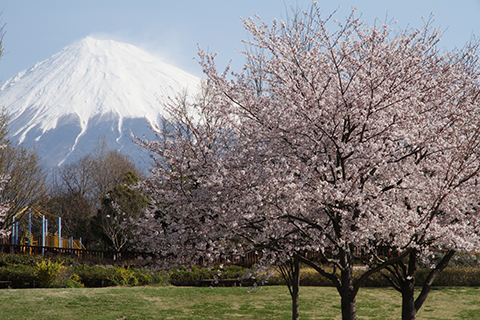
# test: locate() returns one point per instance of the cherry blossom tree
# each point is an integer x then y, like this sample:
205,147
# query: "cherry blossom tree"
356,145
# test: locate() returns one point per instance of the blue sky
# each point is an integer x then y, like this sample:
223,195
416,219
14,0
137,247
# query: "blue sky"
35,30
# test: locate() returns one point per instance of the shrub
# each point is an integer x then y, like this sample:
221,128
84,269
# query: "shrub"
122,276
452,276
308,277
94,276
188,276
50,274
73,281
146,277
20,259
29,271
193,276
21,276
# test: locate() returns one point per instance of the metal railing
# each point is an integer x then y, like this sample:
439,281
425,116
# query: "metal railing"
82,254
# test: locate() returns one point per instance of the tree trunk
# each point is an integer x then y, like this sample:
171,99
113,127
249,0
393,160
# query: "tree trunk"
295,289
427,286
410,306
348,308
407,285
290,271
409,312
346,287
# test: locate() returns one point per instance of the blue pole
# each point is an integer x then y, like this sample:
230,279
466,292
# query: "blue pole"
59,232
30,228
16,232
13,230
43,234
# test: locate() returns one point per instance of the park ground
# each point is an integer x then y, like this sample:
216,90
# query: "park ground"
271,302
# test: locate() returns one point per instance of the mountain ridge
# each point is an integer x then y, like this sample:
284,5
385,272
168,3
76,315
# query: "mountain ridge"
88,86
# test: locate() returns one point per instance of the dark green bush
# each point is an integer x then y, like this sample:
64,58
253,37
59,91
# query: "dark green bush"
193,276
21,276
308,277
24,272
375,280
146,277
122,276
98,276
29,271
94,276
451,276
189,276
20,259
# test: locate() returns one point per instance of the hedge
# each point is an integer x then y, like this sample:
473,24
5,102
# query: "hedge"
451,276
30,271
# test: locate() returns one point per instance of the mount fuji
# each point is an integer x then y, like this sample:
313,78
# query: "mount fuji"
91,89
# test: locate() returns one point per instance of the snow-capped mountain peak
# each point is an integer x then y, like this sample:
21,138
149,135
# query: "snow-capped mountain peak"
90,80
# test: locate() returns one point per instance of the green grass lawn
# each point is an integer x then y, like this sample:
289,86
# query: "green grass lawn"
224,303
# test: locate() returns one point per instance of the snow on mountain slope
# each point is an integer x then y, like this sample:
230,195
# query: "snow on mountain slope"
92,85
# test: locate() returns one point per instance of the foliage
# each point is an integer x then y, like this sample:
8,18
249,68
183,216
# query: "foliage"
21,276
20,259
27,178
98,276
76,213
22,177
193,275
120,208
459,259
80,188
93,276
30,271
49,273
123,277
455,276
46,274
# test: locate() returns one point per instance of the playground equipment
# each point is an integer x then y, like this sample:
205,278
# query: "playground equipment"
44,239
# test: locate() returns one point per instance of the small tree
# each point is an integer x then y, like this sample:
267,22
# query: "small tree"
80,188
120,208
26,175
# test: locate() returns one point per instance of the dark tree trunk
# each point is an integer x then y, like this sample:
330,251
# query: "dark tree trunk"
346,288
408,301
406,281
348,308
291,274
408,288
295,289
432,275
